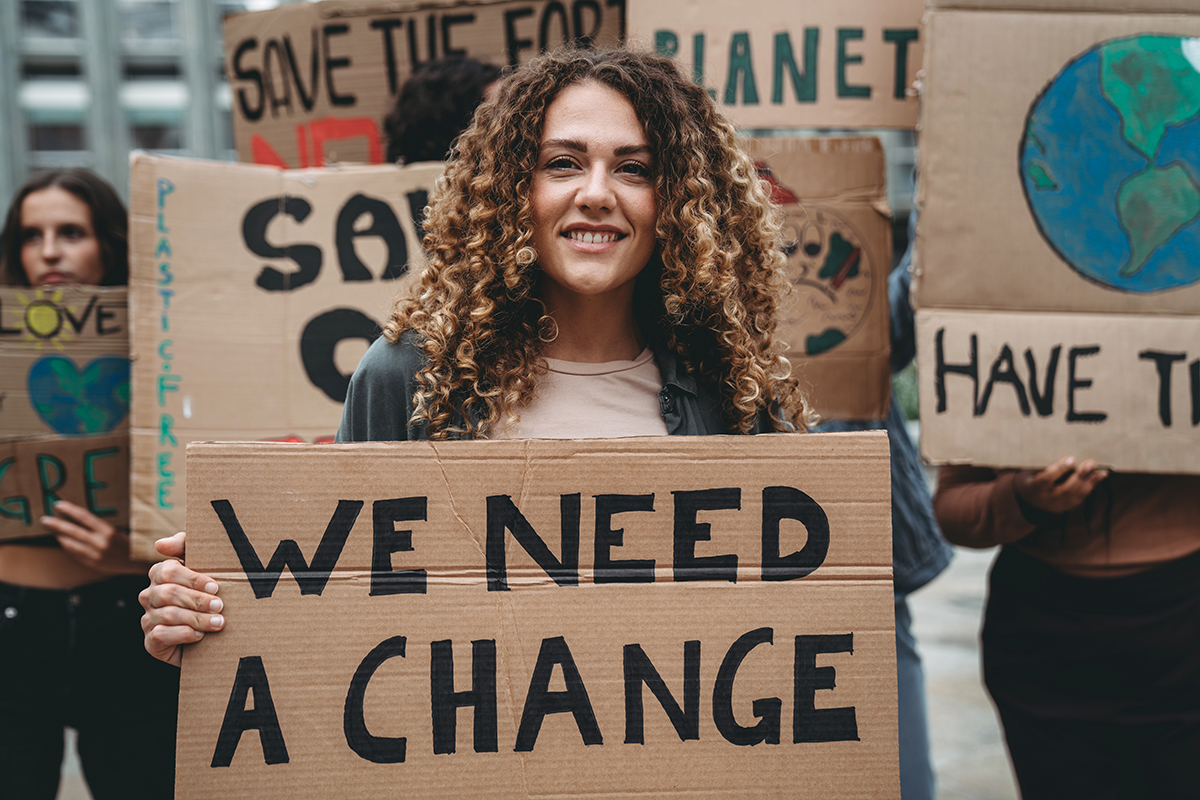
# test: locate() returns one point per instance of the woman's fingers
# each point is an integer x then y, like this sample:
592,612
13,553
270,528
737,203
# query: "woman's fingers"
180,617
181,604
172,546
80,515
1060,487
174,572
1055,473
172,595
78,546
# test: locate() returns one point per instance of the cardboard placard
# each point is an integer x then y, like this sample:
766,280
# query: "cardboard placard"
312,82
677,630
64,360
779,64
64,403
1059,193
839,245
90,471
257,290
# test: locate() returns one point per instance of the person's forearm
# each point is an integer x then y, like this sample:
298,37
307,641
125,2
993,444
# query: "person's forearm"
978,508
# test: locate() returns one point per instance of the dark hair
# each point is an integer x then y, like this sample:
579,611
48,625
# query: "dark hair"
434,106
109,221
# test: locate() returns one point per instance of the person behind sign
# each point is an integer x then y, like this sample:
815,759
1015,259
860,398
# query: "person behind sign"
603,261
1091,637
69,600
434,106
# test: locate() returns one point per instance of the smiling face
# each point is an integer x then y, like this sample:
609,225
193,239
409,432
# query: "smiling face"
594,210
58,239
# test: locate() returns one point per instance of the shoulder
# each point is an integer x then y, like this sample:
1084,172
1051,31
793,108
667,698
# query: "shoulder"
379,398
387,362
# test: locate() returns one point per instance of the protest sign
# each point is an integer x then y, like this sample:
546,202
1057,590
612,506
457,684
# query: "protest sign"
64,403
779,64
312,82
257,290
1059,238
838,232
35,472
671,616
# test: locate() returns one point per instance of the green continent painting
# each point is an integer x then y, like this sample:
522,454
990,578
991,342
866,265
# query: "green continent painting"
1110,162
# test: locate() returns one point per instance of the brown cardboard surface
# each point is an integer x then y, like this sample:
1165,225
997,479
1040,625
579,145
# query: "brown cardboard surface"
303,648
80,333
1108,387
90,471
979,245
222,348
1104,6
312,82
991,260
64,403
778,64
835,318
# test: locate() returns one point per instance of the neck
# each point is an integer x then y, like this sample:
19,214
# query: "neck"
594,330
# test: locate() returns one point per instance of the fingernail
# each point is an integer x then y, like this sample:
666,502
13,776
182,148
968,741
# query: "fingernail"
210,587
218,621
1070,461
215,606
44,520
199,635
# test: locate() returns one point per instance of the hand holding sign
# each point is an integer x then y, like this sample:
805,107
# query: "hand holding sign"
1060,487
91,540
176,602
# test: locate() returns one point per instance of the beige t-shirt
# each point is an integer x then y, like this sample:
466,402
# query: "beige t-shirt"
592,401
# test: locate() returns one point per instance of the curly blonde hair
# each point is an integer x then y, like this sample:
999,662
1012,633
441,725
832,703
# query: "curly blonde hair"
709,291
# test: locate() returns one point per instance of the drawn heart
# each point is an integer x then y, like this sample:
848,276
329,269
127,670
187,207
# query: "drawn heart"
826,340
71,401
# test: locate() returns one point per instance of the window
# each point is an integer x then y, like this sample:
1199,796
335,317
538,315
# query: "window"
54,19
61,136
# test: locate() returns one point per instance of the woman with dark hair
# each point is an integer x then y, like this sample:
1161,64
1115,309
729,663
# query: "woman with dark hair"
95,215
434,106
69,638
603,261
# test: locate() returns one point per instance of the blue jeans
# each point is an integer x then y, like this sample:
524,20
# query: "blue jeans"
916,767
74,658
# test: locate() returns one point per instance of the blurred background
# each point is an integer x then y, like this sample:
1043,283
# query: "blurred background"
84,82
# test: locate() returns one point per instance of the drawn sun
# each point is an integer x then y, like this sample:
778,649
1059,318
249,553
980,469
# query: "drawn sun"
44,319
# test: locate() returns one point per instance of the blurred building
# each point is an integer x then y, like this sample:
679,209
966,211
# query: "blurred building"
83,82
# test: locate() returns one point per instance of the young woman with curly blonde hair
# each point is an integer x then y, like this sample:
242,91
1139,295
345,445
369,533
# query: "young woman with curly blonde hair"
472,350
603,261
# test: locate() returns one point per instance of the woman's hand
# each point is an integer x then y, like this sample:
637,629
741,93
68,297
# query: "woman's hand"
90,540
181,605
1060,487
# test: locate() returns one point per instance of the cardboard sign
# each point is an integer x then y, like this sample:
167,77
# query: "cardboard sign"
672,616
64,404
839,248
64,361
90,471
312,82
257,291
780,64
1059,239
